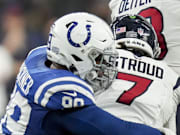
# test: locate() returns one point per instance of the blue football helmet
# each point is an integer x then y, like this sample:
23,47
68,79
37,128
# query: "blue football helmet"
135,33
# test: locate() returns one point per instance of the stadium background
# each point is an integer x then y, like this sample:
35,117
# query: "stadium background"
24,24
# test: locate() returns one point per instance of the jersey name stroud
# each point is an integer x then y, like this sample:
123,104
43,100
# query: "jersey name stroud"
140,66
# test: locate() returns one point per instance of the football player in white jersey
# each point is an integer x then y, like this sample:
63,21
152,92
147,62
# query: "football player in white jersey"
144,88
164,15
51,96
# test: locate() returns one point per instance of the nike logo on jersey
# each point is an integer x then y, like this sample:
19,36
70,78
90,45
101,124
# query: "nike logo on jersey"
73,94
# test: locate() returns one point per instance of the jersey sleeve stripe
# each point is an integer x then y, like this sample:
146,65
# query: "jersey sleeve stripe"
60,81
55,89
64,85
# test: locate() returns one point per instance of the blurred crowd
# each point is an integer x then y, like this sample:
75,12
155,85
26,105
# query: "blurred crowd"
24,25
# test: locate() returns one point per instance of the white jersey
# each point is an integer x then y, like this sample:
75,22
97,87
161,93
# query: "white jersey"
164,16
142,92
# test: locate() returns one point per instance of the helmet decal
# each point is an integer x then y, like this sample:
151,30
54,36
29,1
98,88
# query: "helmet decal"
133,17
69,34
136,27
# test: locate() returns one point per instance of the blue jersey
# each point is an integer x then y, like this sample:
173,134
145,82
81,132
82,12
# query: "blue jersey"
37,91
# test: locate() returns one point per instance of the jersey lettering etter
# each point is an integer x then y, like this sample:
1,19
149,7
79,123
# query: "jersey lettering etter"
126,5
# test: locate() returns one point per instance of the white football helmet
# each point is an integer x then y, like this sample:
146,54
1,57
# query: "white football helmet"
84,44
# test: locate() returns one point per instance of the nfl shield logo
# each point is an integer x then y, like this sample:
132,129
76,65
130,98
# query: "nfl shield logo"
140,31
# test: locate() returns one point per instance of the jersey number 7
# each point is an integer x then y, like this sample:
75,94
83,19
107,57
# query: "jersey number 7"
141,86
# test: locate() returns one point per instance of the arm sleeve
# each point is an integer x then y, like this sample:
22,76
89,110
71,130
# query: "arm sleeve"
91,120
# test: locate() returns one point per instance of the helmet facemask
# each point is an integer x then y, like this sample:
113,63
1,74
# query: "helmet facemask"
104,69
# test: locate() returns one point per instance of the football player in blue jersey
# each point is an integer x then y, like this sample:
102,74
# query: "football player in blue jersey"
54,90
